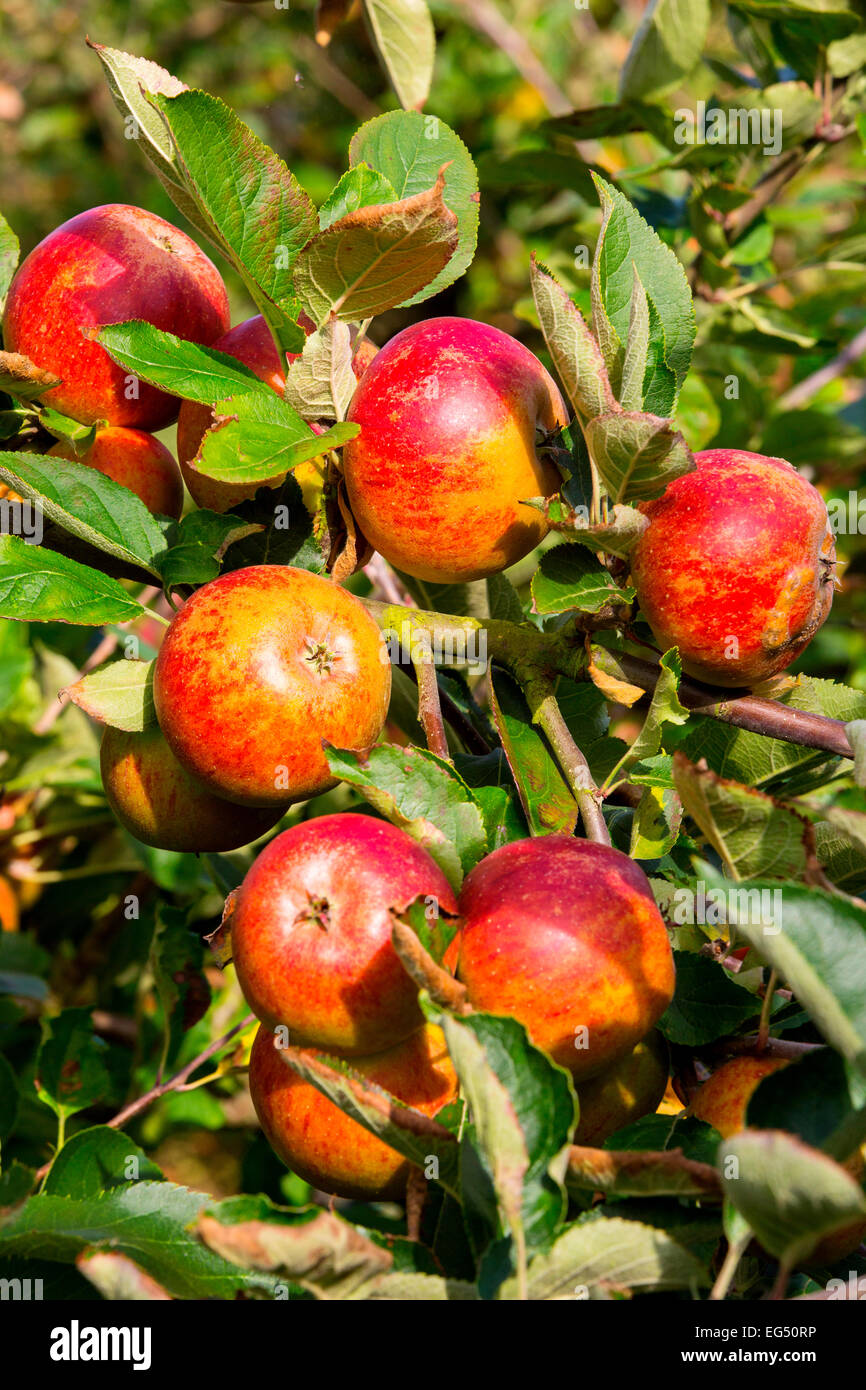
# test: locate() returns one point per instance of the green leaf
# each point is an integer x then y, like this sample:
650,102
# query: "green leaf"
323,1253
177,963
376,258
618,534
95,1160
262,226
406,42
698,415
262,437
753,835
707,1003
809,1098
575,353
544,795
667,46
655,826
636,363
763,327
9,252
665,708
759,761
503,600
598,1258
284,534
618,118
568,577
817,943
319,1251
321,382
188,370
198,544
88,505
148,1221
627,240
840,847
847,56
334,1078
410,149
38,585
856,732
360,187
637,454
422,794
70,1067
789,1194
523,1113
130,80
119,694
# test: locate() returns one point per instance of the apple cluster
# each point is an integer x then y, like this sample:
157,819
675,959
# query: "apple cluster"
559,933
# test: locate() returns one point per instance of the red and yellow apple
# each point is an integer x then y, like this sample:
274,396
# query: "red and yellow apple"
326,1147
736,566
136,460
260,666
161,805
723,1099
450,413
311,931
623,1093
107,265
565,936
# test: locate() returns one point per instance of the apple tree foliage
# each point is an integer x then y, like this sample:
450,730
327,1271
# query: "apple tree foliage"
723,803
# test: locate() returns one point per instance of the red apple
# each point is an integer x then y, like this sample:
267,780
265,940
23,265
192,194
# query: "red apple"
161,805
259,667
736,566
564,935
136,460
450,411
104,266
311,931
323,1145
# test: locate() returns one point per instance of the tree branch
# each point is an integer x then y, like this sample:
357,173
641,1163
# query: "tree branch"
546,712
430,710
759,716
484,16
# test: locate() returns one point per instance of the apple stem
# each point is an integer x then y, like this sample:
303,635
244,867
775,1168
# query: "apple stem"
430,709
764,1021
733,1254
546,712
